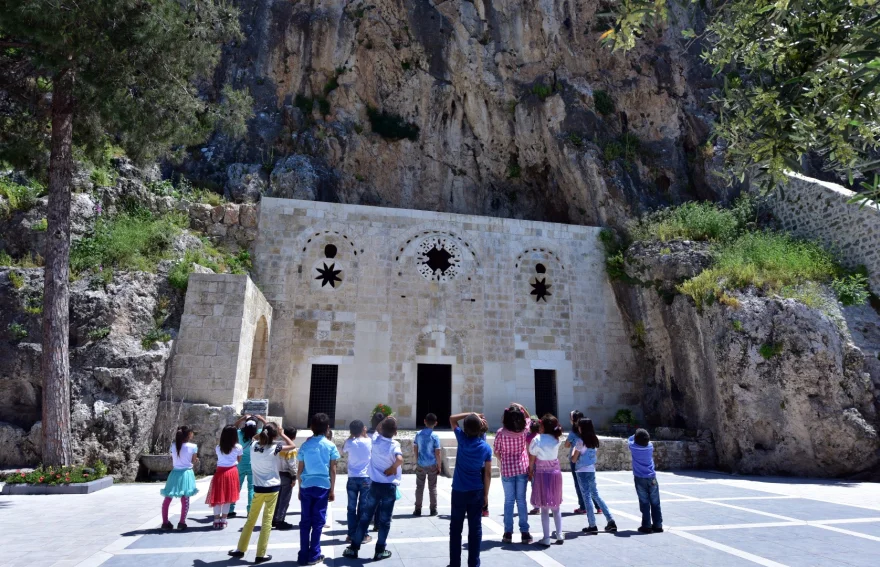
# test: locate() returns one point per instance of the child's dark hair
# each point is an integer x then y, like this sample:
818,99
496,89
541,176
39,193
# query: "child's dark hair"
642,437
181,437
267,435
291,432
248,431
576,416
228,439
472,425
551,425
388,427
514,420
535,426
320,424
431,420
356,428
377,419
588,433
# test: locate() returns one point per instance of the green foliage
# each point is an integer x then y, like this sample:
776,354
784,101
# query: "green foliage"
541,90
852,289
135,240
638,336
34,305
603,102
28,261
391,126
155,335
98,333
768,261
575,140
331,85
611,151
800,76
185,190
624,417
383,409
103,177
40,225
135,67
323,105
209,257
769,350
694,221
514,171
304,103
19,197
53,476
737,325
16,279
16,332
615,263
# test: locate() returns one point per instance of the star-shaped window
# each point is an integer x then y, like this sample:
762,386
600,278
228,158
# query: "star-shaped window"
438,259
328,275
541,289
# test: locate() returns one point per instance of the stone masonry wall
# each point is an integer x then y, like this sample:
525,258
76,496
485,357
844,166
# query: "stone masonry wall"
813,209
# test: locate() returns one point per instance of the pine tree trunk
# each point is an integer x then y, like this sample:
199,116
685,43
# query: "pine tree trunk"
56,296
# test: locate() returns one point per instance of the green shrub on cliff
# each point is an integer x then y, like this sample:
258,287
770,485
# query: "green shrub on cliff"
694,221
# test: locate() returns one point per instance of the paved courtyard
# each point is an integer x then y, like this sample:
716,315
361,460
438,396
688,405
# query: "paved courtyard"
711,519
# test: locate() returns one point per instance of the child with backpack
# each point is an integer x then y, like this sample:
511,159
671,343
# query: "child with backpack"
470,486
253,426
225,488
181,481
645,478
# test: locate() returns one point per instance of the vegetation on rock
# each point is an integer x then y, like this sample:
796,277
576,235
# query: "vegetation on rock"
391,126
52,476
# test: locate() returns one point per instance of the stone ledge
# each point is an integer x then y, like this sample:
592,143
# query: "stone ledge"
41,489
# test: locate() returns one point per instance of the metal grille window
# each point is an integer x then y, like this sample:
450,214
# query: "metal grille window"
322,396
545,392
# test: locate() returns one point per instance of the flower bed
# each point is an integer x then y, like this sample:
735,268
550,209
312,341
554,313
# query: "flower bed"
54,476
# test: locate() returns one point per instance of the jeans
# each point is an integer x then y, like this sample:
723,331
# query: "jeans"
649,502
358,488
245,474
515,491
313,516
470,504
380,500
428,473
577,488
269,499
587,484
287,482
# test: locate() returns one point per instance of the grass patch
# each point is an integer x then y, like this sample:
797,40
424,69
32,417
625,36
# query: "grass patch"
391,126
541,90
34,305
769,350
603,102
768,261
16,279
16,332
185,190
694,221
155,336
209,257
29,261
41,225
19,197
98,333
135,240
852,289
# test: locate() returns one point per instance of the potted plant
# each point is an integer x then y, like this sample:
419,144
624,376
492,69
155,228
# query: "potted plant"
623,423
383,409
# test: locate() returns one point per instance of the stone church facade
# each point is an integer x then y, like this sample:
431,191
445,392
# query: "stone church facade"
435,312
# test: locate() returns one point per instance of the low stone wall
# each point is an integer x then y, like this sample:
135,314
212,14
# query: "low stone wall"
817,210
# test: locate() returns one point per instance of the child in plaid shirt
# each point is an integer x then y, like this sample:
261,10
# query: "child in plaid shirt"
511,448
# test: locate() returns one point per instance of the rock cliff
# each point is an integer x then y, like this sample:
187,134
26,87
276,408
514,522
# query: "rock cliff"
782,386
520,111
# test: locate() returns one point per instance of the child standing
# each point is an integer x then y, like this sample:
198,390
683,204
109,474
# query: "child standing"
470,486
225,487
358,447
181,482
547,488
385,462
316,470
645,479
534,430
512,452
570,442
267,485
426,447
287,474
246,439
584,457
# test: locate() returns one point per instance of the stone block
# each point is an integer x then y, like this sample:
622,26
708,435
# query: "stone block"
231,214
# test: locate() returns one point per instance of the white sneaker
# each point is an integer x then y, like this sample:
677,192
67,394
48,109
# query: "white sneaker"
545,542
560,538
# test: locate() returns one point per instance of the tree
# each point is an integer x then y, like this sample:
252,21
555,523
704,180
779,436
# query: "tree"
800,76
86,74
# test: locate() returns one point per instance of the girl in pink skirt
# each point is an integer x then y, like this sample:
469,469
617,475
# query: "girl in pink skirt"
224,484
547,477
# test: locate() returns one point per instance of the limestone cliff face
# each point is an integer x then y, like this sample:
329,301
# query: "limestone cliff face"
782,386
503,91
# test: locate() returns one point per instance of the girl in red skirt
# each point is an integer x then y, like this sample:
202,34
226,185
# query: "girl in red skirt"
547,477
224,484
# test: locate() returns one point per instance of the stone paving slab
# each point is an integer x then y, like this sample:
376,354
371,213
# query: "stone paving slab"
710,519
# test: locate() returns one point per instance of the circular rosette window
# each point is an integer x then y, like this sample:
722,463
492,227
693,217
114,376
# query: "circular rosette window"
439,258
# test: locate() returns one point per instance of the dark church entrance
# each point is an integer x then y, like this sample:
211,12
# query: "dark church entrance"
545,393
434,393
322,395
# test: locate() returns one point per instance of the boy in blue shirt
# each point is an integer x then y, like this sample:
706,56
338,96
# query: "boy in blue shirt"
645,478
426,447
470,486
316,469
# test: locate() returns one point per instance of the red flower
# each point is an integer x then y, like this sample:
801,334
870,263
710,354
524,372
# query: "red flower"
85,474
22,475
67,479
41,479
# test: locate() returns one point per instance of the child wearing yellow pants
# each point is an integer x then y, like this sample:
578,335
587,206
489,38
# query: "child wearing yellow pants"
267,485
